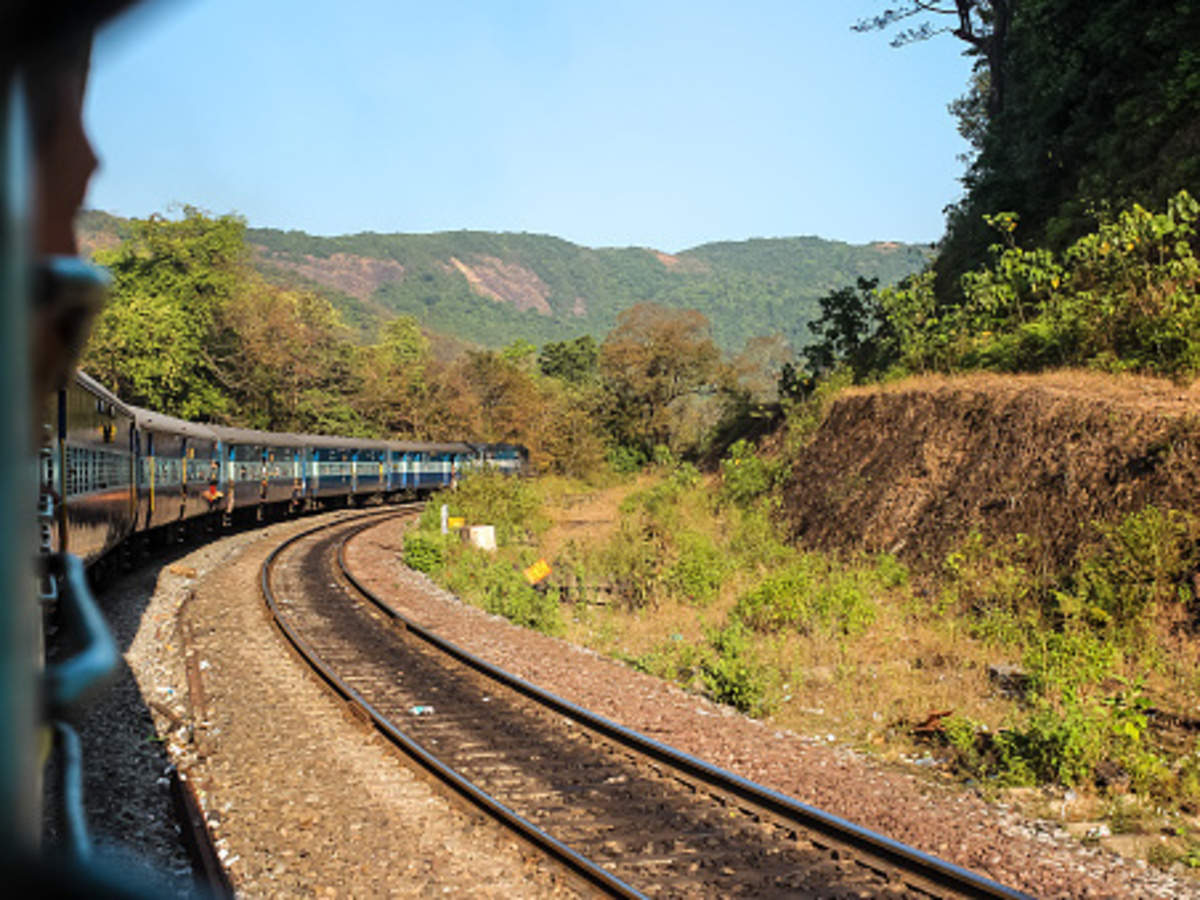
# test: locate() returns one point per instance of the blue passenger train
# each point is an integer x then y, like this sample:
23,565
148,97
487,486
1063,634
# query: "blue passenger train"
117,470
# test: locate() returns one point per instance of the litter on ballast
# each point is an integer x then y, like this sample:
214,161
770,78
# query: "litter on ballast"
420,711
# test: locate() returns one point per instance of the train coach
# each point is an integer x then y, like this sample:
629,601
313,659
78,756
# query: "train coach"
117,470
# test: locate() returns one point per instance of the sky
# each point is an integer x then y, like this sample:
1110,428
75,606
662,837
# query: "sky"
657,123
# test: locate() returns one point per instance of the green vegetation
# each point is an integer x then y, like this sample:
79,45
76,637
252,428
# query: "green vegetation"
1122,298
495,583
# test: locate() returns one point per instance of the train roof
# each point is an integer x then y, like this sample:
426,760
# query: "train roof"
431,446
231,435
342,443
92,386
150,420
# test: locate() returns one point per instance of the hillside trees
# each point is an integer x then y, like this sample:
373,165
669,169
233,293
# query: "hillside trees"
191,330
575,362
1101,110
652,364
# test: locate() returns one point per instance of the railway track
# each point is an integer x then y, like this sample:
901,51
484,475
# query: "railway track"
627,815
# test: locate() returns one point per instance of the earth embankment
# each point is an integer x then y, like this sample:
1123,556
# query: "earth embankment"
913,467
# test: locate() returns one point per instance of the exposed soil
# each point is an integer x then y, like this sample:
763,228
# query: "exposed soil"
506,282
914,467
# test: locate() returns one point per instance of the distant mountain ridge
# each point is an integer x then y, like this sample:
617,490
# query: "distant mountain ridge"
495,287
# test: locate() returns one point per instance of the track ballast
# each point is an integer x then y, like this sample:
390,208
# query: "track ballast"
628,815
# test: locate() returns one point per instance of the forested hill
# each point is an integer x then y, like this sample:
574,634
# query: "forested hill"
493,288
496,287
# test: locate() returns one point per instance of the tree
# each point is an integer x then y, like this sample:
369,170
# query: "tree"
1101,109
162,341
573,361
653,361
569,440
853,329
982,24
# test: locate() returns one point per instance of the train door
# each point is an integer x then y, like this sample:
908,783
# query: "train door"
149,466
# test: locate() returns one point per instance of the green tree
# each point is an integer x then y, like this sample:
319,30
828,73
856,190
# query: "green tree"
853,329
1101,109
162,341
574,361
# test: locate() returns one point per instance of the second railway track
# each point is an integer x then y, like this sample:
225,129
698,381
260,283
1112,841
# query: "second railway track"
628,815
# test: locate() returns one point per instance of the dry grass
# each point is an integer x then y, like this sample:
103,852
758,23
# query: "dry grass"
1142,392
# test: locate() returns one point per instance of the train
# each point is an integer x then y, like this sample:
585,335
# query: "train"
112,470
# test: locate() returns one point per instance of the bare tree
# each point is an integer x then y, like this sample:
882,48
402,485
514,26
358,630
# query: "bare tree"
982,24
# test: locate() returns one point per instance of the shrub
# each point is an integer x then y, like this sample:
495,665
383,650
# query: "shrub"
625,460
744,475
1139,564
811,595
424,551
699,569
499,588
491,498
733,674
633,560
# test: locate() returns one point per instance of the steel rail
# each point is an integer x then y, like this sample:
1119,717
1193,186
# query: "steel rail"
910,859
583,867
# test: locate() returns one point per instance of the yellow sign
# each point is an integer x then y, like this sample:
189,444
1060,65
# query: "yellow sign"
537,571
456,522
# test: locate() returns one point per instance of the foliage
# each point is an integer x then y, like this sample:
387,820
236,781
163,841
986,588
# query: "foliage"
625,460
732,672
1137,567
699,569
815,594
573,361
652,363
853,330
424,551
745,476
1100,107
1121,298
160,342
499,588
491,498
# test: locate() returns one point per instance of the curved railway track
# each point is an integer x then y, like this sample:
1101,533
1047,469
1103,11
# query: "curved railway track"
628,815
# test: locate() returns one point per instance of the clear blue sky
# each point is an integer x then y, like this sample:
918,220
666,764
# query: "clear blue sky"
609,123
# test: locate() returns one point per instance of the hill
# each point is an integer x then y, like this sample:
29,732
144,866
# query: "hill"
492,288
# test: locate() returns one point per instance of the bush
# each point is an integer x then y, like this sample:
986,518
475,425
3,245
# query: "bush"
491,498
424,551
1138,565
812,594
699,569
744,476
633,560
499,588
731,672
625,460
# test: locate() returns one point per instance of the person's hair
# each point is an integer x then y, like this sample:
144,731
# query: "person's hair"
64,60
